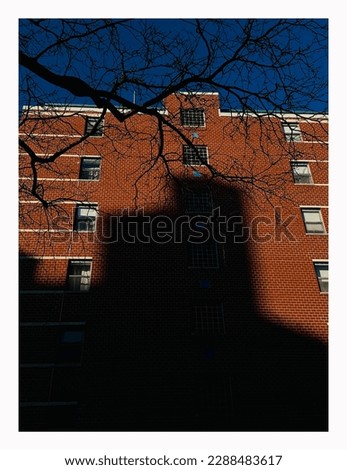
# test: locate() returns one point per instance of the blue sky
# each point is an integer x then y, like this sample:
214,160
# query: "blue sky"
100,64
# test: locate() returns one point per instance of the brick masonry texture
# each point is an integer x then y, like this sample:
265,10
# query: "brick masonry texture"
130,354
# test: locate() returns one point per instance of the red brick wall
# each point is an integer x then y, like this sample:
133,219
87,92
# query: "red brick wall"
144,292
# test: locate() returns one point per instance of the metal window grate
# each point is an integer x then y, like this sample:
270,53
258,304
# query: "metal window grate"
208,319
197,201
193,117
196,155
203,255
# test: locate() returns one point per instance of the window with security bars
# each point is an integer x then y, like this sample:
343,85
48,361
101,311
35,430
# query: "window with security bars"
85,218
203,255
292,132
301,173
94,126
196,155
193,117
79,275
322,273
90,169
197,200
313,220
208,319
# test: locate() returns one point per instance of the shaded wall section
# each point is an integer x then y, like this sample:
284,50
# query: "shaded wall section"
171,340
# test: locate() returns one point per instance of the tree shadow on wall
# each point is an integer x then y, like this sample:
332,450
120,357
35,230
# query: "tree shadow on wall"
173,340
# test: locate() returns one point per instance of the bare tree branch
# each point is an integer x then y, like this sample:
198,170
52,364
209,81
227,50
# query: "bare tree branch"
263,69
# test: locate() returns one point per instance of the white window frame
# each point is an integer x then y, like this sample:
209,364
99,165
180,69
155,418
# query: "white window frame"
191,117
191,159
292,132
94,172
84,278
91,122
86,214
313,226
297,176
323,281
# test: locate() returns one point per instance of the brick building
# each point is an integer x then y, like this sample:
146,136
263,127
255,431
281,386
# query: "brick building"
178,281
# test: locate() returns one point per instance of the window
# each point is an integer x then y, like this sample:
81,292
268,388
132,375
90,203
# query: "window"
193,117
90,168
292,132
208,319
94,125
197,200
196,155
70,348
203,255
79,275
301,173
85,218
322,273
313,220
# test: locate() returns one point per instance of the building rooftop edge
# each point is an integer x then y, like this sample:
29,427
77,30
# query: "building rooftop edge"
222,112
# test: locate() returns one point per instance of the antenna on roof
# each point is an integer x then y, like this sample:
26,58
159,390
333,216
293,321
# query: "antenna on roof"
134,97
